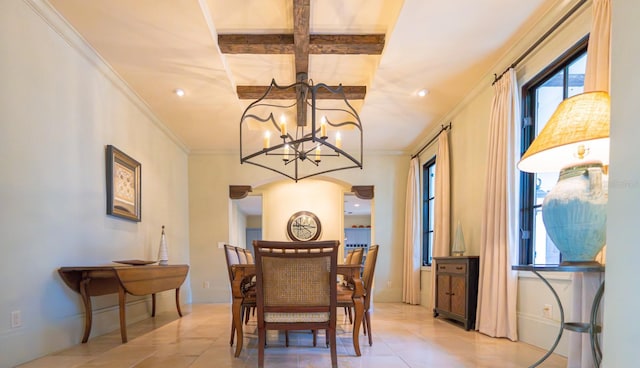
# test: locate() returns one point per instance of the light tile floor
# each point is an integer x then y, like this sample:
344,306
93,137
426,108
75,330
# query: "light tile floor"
403,336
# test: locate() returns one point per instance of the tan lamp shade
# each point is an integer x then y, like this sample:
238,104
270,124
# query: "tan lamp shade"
578,131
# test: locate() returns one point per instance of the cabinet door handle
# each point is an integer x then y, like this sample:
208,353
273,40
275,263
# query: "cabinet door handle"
459,268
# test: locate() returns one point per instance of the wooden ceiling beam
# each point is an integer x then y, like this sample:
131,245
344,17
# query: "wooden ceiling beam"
363,44
256,43
301,13
255,92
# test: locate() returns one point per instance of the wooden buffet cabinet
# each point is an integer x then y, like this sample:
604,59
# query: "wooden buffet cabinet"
457,288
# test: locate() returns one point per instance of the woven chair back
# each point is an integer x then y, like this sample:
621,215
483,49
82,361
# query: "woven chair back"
296,276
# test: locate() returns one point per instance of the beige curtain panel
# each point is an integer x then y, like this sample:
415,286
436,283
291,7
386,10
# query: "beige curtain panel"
498,284
412,229
442,221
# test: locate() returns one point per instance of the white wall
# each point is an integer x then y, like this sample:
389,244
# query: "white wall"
622,294
284,198
59,107
211,174
357,220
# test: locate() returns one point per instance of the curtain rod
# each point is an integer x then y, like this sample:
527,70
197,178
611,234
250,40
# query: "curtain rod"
540,40
442,129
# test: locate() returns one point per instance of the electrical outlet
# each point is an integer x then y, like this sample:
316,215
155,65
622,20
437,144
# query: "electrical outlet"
389,284
206,284
16,319
220,245
547,311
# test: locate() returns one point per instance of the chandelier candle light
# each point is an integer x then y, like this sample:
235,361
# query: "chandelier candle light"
575,142
318,133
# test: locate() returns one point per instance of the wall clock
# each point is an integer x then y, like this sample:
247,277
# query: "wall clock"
304,226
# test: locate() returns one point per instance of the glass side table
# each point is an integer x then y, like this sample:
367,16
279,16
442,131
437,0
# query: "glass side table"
590,327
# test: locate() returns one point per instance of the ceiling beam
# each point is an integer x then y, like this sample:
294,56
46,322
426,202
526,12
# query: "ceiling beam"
363,44
301,15
255,92
256,43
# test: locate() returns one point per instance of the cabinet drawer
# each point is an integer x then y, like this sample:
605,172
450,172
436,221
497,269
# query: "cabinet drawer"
452,267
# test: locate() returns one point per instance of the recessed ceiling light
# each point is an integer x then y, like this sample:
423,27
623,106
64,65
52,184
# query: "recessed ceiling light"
356,205
423,92
179,92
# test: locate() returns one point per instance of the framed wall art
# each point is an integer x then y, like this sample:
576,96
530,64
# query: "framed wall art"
123,185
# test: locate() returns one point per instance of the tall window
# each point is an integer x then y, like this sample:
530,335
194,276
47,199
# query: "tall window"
428,209
562,79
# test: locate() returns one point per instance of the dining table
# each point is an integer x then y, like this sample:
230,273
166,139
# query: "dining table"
350,272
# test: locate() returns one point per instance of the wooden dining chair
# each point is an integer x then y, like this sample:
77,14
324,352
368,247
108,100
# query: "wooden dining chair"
348,258
353,257
242,255
345,295
296,289
249,301
356,256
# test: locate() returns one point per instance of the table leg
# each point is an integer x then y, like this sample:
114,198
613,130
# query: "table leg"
178,301
153,305
358,306
237,323
88,313
122,296
357,321
553,347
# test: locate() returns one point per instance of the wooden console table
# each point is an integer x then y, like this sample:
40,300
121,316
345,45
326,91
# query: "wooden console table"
135,280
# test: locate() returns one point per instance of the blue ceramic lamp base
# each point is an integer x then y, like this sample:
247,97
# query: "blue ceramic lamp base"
574,213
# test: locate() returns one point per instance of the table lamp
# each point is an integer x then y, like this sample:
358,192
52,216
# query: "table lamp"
575,141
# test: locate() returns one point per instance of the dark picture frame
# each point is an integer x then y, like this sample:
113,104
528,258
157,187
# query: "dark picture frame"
124,186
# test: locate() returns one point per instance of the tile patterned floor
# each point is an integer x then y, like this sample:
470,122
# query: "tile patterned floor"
403,336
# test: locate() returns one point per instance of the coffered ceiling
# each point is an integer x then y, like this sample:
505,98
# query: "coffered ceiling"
158,46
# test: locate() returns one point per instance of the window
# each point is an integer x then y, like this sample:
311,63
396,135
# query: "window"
428,209
562,79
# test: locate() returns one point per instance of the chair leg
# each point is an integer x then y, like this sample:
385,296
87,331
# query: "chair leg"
364,325
247,312
315,337
367,320
286,338
348,310
233,333
262,340
326,337
332,346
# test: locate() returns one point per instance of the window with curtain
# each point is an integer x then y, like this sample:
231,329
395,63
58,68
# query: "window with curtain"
560,80
428,209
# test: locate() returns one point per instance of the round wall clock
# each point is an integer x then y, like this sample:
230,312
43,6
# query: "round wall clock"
304,226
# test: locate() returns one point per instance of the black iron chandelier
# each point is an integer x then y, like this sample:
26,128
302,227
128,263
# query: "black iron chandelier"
318,133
